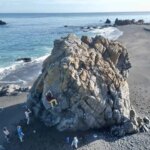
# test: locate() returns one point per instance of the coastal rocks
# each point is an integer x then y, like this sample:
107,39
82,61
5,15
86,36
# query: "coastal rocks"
128,22
12,90
107,21
83,85
2,22
26,59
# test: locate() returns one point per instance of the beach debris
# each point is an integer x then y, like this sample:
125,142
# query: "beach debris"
12,90
34,131
95,136
88,78
146,29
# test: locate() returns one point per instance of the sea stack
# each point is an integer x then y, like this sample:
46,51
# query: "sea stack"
83,85
2,22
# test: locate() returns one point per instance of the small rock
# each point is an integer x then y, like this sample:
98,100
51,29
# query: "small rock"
107,21
146,120
2,22
26,59
95,136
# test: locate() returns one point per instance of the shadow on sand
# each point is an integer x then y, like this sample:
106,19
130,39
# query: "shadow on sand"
39,137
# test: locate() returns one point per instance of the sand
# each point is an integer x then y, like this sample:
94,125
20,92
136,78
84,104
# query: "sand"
136,39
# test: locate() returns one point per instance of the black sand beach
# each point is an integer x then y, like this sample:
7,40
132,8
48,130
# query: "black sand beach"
136,39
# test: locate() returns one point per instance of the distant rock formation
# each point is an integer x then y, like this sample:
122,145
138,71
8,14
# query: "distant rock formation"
26,59
127,22
2,22
107,21
83,85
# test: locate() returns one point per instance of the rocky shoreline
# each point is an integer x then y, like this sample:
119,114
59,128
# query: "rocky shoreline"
137,43
12,90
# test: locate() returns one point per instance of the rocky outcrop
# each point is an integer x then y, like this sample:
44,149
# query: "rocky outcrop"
2,22
127,22
26,59
83,85
107,21
12,90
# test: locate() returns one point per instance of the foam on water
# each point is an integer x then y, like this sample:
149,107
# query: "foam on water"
110,33
6,71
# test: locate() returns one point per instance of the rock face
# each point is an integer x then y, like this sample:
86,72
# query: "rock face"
87,79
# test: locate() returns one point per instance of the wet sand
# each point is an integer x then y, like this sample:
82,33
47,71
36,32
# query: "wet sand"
136,39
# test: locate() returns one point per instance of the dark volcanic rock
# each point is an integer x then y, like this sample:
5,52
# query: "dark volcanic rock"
2,22
24,59
127,22
84,85
108,21
124,22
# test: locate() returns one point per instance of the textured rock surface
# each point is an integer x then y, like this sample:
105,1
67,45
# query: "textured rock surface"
88,78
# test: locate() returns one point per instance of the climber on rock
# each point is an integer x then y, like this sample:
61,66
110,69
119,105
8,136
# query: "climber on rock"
51,100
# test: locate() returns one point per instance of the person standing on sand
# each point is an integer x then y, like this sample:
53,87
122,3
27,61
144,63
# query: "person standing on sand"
7,134
75,142
27,115
20,133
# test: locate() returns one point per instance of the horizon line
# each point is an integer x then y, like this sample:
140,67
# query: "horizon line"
73,12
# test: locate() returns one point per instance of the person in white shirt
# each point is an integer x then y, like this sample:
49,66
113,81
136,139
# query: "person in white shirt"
27,115
6,133
75,142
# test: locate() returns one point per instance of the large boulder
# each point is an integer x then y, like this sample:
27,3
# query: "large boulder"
87,82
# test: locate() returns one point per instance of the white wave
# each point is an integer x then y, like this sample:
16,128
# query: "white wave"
6,70
17,65
110,33
40,59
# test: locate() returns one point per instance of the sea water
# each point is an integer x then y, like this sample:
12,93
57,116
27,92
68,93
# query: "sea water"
32,35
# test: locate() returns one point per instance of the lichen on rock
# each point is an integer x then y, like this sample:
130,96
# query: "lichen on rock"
87,77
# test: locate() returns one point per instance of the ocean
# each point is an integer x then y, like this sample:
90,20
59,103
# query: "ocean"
32,35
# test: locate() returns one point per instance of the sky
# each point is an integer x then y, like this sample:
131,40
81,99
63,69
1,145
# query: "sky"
64,6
